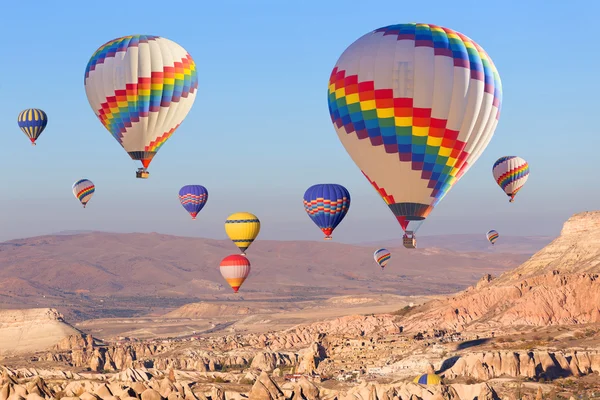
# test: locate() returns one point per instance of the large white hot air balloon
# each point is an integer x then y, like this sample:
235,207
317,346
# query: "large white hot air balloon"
414,105
141,87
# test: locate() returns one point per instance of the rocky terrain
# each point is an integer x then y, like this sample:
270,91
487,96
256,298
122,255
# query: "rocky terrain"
531,333
559,285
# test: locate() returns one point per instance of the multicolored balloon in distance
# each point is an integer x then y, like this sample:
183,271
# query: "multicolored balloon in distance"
242,228
193,198
32,122
83,190
492,236
511,173
235,269
382,256
141,88
327,204
414,105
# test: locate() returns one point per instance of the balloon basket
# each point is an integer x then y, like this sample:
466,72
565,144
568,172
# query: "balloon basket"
327,238
142,174
409,242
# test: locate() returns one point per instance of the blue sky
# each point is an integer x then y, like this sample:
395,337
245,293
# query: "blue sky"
259,132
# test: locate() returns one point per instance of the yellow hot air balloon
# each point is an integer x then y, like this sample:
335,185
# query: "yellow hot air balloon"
242,228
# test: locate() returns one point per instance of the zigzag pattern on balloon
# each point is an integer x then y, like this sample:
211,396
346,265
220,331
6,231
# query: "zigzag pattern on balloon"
192,199
149,94
507,178
111,48
85,192
321,205
383,258
401,128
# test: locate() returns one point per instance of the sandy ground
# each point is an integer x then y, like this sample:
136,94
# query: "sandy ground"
262,317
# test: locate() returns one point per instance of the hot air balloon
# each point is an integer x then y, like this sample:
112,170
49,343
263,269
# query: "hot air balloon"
193,198
428,379
32,122
235,269
414,105
242,228
84,189
382,256
492,236
511,173
141,88
327,205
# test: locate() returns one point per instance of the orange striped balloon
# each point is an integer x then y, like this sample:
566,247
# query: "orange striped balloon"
235,269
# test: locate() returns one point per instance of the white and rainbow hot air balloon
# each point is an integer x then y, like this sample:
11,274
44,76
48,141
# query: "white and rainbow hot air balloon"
382,257
83,190
510,173
141,88
492,236
414,105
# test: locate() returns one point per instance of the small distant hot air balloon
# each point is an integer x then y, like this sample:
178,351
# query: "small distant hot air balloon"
382,256
32,122
193,198
327,204
414,105
492,236
141,87
242,228
235,269
84,189
511,173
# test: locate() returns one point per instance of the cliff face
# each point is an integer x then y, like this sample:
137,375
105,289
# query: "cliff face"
558,285
576,250
31,330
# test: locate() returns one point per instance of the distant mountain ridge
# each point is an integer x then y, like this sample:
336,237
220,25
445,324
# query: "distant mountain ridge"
163,270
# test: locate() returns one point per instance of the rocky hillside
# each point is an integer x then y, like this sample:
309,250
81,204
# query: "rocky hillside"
559,285
27,331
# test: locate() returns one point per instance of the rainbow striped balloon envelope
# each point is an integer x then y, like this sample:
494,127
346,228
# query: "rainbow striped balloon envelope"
141,87
511,173
83,190
492,236
414,105
382,256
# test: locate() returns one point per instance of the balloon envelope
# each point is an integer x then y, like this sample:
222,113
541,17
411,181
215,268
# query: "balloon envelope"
32,122
327,205
511,173
414,105
428,379
193,198
83,190
242,228
382,256
141,87
492,236
235,269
